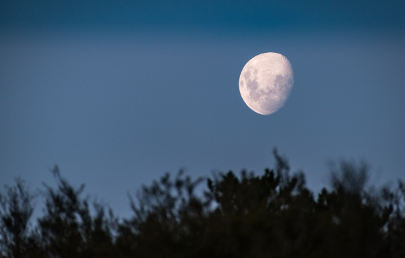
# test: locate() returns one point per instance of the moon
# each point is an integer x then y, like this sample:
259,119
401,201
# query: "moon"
266,82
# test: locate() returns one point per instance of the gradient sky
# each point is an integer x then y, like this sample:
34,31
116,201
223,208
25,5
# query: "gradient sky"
118,92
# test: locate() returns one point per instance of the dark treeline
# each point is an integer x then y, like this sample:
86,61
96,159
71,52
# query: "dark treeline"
246,215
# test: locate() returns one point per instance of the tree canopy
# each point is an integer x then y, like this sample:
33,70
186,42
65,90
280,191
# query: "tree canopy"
273,214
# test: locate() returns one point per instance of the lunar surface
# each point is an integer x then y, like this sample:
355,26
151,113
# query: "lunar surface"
265,82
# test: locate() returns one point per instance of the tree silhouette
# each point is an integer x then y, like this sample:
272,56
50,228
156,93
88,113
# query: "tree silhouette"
225,215
69,229
16,209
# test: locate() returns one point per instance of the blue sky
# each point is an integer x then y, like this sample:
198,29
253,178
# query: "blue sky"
118,92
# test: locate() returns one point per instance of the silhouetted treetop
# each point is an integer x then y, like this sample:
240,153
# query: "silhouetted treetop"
273,214
16,209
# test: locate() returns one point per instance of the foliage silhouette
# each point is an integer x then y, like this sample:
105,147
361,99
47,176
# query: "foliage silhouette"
69,229
16,209
273,214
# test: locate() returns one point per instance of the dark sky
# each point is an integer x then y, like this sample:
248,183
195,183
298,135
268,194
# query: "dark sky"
118,92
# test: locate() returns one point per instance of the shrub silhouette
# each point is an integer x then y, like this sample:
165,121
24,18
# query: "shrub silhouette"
273,214
16,209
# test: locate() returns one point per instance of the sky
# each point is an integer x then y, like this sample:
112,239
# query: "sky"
116,93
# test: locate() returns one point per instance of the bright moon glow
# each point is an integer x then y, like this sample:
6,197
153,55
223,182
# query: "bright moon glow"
265,82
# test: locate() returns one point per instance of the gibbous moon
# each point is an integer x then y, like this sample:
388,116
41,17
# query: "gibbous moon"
265,82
